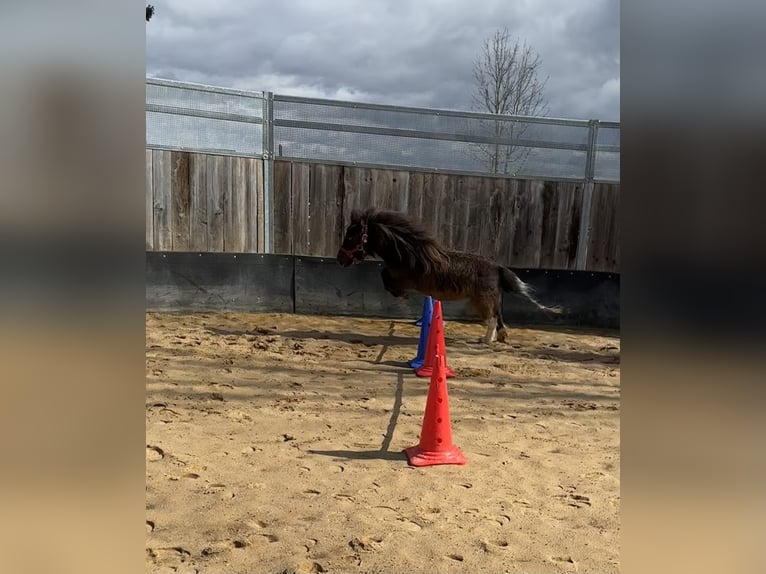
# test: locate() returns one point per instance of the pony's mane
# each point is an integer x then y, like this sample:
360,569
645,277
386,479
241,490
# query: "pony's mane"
412,242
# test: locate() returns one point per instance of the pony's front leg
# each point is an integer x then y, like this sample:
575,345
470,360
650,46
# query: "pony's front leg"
391,285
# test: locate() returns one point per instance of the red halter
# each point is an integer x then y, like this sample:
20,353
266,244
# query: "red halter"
360,247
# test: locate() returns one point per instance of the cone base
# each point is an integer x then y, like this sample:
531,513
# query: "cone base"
416,363
418,457
428,371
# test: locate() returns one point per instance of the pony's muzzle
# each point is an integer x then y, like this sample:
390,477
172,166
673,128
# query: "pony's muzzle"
344,260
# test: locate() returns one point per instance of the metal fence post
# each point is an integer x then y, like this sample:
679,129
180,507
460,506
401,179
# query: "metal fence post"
587,197
268,170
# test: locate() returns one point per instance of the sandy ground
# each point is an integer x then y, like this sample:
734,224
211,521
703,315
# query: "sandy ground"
274,445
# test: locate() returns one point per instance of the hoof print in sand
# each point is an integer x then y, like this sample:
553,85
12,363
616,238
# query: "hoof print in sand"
565,561
365,544
578,500
488,546
154,453
305,568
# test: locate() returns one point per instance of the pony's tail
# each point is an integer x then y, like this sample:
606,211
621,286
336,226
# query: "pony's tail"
510,283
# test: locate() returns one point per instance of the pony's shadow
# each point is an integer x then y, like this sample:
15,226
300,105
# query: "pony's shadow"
362,454
352,338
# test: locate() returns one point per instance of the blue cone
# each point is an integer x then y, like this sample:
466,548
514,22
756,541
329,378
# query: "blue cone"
425,326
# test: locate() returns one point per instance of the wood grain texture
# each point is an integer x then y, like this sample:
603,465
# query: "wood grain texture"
283,213
603,243
180,193
161,206
149,191
324,209
415,195
219,179
567,226
501,214
234,210
198,190
260,187
549,224
401,190
206,203
301,218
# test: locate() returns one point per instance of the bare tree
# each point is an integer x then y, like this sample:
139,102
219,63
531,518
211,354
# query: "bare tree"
506,83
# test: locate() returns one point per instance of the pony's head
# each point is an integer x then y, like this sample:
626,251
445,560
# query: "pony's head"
397,239
354,246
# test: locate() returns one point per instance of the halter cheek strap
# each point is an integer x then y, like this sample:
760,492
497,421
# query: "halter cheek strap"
358,248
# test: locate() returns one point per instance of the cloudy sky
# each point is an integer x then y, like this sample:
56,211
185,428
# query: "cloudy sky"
407,52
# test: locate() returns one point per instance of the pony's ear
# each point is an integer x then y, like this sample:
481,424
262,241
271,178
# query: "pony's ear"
359,215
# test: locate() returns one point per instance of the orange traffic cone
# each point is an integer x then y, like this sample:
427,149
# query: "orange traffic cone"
435,345
435,445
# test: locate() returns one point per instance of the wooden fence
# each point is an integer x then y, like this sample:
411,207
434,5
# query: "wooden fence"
198,202
206,203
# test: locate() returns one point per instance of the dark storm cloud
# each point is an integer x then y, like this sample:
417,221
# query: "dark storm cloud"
409,53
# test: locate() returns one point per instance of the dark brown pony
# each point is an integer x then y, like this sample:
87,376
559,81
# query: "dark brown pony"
415,261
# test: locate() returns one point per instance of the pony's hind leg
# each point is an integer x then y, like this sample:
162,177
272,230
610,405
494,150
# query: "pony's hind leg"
487,313
491,335
502,334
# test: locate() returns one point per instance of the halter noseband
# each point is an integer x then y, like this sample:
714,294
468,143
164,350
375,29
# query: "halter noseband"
360,247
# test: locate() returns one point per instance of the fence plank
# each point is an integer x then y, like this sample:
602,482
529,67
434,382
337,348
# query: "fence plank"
433,188
234,212
323,210
415,195
525,239
501,209
549,223
149,215
383,188
283,213
401,190
301,222
466,219
180,193
526,233
250,226
260,192
161,175
604,237
198,191
573,228
489,197
218,178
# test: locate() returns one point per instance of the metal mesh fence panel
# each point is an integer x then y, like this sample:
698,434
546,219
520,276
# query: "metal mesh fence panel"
203,119
428,139
607,161
410,152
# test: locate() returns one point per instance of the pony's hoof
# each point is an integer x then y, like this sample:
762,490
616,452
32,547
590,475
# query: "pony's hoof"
502,336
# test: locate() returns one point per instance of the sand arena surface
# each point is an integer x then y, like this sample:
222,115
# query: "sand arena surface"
274,445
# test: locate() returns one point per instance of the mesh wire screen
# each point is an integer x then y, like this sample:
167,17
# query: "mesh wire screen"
607,163
187,128
176,118
425,152
193,98
433,122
